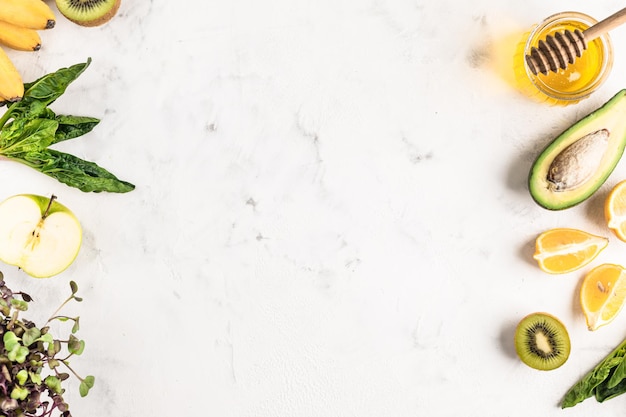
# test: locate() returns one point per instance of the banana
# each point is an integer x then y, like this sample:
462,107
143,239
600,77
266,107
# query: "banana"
32,14
11,84
19,38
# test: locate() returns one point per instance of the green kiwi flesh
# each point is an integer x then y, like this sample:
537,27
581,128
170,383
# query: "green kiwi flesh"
88,12
542,341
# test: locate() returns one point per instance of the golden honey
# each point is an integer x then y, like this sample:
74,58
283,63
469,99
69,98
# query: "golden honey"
579,79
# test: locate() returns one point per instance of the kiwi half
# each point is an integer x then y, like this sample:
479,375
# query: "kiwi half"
542,341
88,12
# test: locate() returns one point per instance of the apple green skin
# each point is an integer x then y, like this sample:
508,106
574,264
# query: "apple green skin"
42,203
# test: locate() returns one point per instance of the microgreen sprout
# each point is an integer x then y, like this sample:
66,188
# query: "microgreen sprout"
33,363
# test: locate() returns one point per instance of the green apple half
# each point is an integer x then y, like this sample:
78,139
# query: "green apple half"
38,234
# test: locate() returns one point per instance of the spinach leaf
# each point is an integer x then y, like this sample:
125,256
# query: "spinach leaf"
606,391
27,134
599,375
73,171
29,127
71,127
618,374
42,92
51,86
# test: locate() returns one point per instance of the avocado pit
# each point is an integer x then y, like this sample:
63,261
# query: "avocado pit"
577,163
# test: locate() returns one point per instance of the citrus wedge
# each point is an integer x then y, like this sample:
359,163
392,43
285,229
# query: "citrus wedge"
562,250
602,294
615,210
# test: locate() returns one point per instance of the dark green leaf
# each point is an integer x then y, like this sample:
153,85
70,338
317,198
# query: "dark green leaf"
51,86
604,391
586,387
71,127
618,374
29,127
25,109
41,92
73,171
73,287
85,175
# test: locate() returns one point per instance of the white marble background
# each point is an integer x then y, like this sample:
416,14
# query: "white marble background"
331,215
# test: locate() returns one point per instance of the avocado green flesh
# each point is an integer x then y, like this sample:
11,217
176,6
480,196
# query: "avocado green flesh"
612,117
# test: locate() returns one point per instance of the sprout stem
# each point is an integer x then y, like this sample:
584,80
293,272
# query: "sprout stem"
54,315
67,365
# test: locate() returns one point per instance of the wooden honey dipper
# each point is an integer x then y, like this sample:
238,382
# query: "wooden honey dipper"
557,51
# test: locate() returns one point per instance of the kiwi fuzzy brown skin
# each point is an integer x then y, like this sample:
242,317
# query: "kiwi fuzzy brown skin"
531,336
97,21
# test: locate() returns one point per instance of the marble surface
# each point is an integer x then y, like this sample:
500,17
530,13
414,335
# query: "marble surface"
331,215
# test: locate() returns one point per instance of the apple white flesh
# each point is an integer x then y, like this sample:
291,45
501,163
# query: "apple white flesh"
38,234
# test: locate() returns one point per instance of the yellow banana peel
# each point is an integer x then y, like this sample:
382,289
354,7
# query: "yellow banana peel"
11,84
32,14
19,38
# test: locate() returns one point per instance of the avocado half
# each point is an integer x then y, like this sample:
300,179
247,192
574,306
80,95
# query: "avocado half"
589,151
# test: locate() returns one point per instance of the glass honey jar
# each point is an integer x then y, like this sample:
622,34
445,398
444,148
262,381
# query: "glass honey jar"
579,79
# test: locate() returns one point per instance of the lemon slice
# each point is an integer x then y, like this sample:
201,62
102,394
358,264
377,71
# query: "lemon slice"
602,294
562,250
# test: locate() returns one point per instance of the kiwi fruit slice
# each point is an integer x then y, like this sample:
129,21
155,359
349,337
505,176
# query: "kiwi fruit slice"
542,341
88,12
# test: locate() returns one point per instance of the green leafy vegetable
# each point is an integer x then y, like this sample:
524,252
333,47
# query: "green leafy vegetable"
32,383
606,380
29,127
